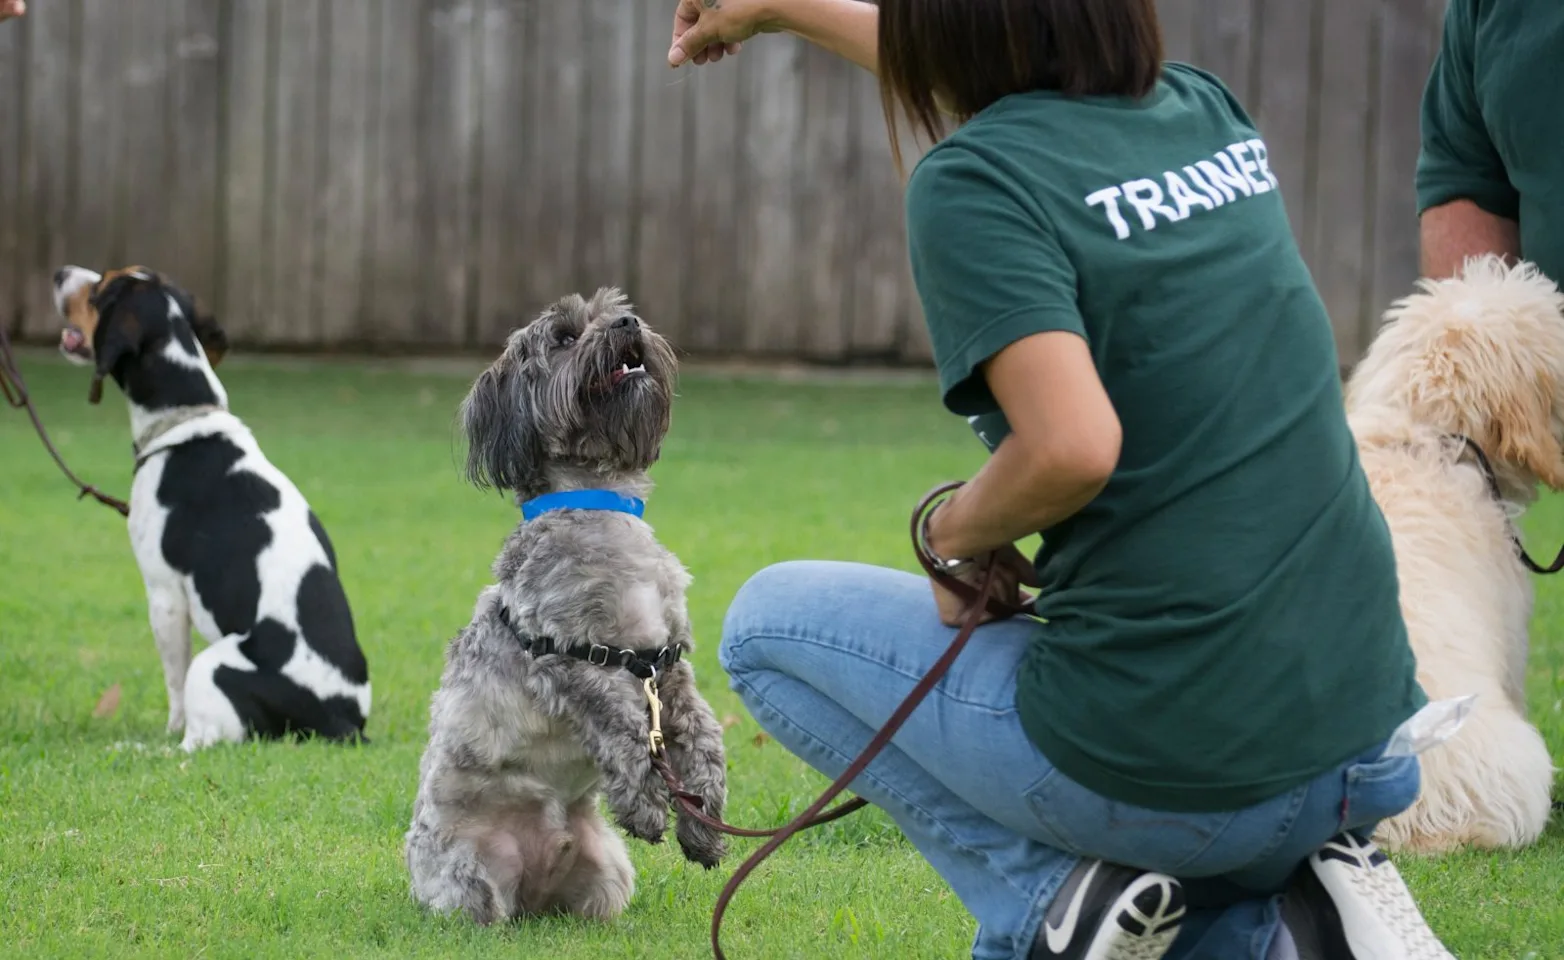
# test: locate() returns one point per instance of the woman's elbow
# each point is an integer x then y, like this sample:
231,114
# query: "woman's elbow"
1084,461
1098,457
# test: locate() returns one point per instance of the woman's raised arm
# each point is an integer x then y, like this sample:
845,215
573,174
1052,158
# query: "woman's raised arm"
705,30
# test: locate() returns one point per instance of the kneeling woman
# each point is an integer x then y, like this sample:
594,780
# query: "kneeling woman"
1189,745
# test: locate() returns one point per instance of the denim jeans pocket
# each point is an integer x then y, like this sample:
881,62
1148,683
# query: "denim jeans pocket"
1374,790
1090,825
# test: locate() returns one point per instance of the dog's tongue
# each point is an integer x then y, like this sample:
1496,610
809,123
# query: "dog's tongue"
71,339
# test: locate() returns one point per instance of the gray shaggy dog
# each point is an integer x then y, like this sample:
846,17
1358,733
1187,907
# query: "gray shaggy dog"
524,731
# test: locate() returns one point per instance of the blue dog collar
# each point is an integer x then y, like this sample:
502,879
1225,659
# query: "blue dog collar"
582,500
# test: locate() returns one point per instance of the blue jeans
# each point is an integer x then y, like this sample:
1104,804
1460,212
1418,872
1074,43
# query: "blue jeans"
822,653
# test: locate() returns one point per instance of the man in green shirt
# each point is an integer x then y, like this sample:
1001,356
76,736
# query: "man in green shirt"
1490,177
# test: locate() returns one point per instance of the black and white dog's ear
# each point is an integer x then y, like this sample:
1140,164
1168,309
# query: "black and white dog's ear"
213,339
119,332
203,326
504,447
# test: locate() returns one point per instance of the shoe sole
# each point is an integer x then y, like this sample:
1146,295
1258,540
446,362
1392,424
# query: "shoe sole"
1379,918
1142,923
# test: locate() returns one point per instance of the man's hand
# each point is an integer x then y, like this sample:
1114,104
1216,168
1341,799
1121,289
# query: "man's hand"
12,8
704,31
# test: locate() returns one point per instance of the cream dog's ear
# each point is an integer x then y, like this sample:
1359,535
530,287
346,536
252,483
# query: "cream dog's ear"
1496,394
1523,430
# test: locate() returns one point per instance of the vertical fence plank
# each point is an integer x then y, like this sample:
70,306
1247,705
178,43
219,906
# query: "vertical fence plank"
1283,105
609,148
348,76
715,272
1222,43
447,137
13,90
396,243
916,347
505,291
881,285
288,292
556,79
1179,20
1404,59
1342,197
246,191
48,192
912,335
143,181
663,236
97,234
1434,23
769,321
823,165
195,109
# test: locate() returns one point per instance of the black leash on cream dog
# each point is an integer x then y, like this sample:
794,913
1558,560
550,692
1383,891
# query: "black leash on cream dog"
16,395
1486,466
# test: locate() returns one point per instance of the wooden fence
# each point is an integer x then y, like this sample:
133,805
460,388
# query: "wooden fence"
425,174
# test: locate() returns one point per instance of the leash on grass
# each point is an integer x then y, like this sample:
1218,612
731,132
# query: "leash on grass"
16,395
690,804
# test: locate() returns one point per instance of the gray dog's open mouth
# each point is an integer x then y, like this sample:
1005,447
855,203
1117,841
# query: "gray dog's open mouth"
624,372
632,364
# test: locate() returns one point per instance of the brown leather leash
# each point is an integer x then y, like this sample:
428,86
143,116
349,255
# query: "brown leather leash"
16,395
690,804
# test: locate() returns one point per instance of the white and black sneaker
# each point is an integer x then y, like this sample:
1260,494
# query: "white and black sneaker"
1350,903
1109,912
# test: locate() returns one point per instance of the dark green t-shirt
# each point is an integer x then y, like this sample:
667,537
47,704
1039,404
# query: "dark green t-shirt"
1493,120
1222,620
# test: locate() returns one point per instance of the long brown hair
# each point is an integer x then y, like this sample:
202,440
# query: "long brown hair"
960,56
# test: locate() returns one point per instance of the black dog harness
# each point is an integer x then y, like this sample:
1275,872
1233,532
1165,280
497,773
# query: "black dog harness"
645,664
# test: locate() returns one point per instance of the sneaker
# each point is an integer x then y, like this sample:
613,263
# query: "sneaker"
1351,904
1109,912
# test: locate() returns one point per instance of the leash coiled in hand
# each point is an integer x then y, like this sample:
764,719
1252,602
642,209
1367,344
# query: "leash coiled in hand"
812,817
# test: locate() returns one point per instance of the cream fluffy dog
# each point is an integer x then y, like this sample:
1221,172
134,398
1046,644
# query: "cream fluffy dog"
1478,356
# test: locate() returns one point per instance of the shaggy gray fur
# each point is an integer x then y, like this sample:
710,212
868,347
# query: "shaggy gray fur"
506,822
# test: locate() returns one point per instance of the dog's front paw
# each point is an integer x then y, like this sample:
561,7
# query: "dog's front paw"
643,822
700,843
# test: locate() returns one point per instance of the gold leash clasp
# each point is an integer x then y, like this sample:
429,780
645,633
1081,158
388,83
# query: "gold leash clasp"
656,705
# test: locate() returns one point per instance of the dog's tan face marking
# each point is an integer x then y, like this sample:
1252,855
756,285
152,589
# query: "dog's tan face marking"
75,289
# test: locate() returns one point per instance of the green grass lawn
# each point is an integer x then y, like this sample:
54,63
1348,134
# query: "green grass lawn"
111,844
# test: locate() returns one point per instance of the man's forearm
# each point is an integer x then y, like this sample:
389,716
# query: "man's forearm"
1454,231
847,28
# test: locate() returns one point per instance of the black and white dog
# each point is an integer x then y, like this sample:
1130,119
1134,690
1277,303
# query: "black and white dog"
224,540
